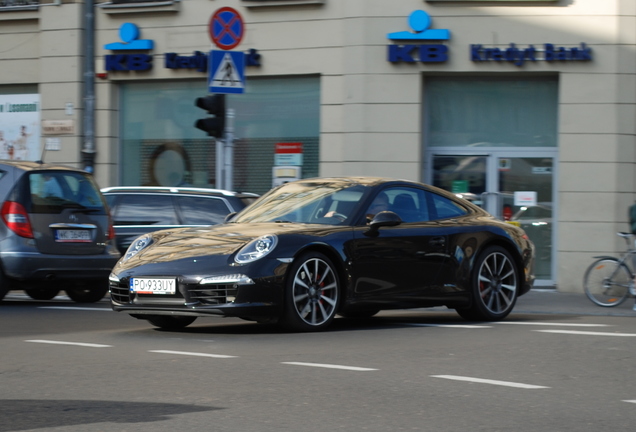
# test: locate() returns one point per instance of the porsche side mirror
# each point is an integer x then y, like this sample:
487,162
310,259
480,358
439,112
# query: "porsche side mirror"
229,217
383,219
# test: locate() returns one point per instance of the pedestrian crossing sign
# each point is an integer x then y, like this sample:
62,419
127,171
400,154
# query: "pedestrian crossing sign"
227,72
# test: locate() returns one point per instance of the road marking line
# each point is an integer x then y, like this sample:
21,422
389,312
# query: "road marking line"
91,345
488,381
330,366
466,326
576,332
551,324
630,401
192,354
75,308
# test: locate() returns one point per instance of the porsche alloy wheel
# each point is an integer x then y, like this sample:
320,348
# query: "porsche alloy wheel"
495,286
312,295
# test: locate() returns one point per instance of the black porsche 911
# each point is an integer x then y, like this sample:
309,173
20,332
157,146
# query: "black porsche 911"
312,249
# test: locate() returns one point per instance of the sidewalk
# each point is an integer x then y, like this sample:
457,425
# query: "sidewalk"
553,302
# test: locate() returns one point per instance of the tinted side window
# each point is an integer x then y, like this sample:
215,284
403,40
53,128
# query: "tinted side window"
445,208
145,210
202,211
408,203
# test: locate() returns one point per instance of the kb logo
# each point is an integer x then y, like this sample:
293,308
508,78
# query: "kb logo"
419,21
129,34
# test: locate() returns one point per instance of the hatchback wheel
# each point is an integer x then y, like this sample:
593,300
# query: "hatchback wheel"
42,293
312,293
83,294
495,284
167,322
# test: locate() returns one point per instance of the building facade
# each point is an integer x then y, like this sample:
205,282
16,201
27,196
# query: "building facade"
527,108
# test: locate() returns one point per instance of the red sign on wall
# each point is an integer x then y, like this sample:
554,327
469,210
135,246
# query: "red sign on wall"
288,154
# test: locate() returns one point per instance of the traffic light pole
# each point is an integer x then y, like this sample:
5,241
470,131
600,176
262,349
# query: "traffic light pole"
225,154
229,149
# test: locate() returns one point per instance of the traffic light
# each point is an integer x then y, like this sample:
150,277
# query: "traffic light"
215,106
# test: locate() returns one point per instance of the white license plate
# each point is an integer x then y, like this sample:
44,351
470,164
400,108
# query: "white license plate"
153,285
73,236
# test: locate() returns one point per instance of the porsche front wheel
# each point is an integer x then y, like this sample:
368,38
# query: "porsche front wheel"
312,293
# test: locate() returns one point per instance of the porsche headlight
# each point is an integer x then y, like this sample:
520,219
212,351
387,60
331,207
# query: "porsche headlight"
256,249
136,246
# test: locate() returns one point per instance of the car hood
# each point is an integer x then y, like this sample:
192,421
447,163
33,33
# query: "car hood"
218,240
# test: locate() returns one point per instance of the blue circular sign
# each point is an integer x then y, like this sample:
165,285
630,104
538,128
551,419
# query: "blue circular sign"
226,28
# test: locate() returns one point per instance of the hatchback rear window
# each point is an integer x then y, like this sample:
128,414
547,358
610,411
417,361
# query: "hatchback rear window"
54,191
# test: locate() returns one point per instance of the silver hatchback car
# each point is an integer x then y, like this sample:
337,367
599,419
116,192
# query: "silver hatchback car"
55,232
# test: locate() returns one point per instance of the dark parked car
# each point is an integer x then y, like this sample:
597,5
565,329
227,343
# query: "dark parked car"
311,249
143,209
55,232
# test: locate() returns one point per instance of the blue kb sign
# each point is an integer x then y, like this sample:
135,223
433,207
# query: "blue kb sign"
419,21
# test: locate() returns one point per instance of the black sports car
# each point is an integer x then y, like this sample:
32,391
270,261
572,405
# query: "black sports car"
312,249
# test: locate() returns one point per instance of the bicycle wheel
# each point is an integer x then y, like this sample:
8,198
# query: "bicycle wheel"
606,282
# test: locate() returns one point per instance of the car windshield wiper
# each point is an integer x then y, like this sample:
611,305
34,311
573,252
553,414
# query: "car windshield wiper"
283,221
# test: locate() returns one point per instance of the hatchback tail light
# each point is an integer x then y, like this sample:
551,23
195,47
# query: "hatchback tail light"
17,220
110,235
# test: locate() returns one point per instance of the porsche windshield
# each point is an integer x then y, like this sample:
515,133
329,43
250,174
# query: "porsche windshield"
311,202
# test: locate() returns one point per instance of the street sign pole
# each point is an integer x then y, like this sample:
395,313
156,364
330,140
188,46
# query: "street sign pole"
226,75
229,149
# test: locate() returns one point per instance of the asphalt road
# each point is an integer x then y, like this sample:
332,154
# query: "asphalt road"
71,367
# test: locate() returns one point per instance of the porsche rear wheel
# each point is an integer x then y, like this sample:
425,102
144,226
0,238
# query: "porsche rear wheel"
495,284
312,293
168,322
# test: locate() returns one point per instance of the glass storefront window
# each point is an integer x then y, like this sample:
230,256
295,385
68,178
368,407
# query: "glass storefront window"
161,146
480,112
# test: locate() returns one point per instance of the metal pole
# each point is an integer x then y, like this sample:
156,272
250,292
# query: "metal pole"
219,164
229,149
88,148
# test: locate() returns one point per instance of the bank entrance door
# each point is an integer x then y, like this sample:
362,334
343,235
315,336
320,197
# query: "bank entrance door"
517,187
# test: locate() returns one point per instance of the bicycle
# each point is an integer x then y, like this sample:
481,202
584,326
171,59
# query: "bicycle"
608,281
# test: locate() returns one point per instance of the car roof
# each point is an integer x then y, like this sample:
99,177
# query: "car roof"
357,180
174,190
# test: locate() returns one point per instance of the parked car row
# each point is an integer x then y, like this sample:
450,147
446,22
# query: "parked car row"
302,254
56,230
